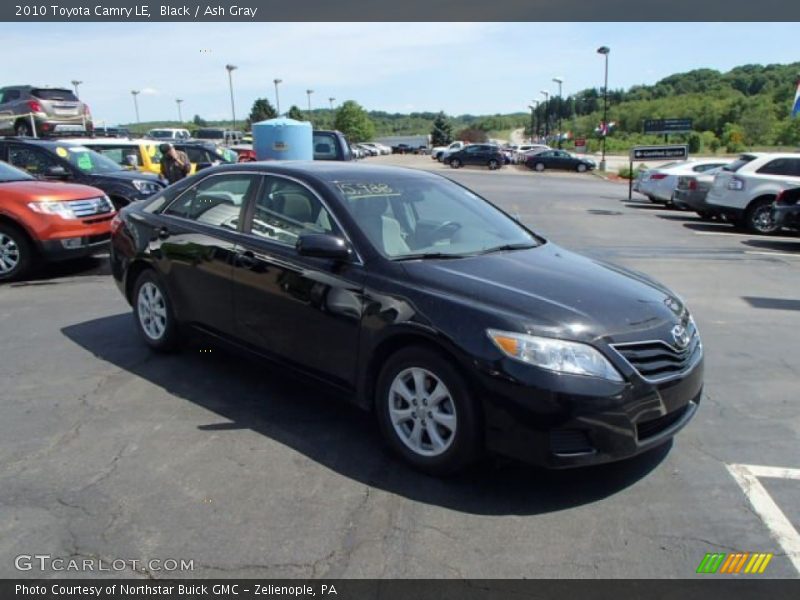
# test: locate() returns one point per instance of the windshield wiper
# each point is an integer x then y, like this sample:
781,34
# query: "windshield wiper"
430,255
518,246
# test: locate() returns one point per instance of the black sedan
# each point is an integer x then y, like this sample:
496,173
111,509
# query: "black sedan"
786,209
483,155
559,159
460,328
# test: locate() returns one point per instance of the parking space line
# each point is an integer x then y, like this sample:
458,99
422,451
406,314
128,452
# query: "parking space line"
749,235
747,476
765,253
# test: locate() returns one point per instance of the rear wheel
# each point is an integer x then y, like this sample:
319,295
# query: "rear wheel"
758,217
455,163
23,128
426,413
538,167
493,164
16,253
152,309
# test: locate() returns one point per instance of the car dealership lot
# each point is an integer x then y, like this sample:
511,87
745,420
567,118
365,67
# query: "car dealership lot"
109,451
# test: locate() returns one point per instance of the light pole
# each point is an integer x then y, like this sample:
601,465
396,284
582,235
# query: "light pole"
546,95
178,102
559,81
604,50
277,97
135,93
331,99
534,106
231,69
75,84
308,93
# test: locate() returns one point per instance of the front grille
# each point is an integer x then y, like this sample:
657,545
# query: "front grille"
570,441
90,207
652,428
656,360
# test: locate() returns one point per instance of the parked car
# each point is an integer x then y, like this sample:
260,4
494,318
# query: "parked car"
66,161
47,221
143,155
439,152
744,190
786,209
331,145
691,192
402,149
111,132
459,327
205,154
244,152
523,151
659,184
167,134
476,154
382,149
53,110
559,159
368,150
219,135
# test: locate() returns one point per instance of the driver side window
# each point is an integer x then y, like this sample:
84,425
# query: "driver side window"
216,200
31,160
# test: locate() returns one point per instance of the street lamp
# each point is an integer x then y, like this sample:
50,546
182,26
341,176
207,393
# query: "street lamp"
178,102
331,99
277,97
231,69
308,93
534,106
546,95
135,93
559,81
604,50
75,84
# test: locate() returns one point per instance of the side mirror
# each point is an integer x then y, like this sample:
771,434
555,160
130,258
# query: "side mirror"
322,245
56,172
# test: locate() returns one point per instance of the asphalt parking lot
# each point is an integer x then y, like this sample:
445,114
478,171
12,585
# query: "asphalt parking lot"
109,451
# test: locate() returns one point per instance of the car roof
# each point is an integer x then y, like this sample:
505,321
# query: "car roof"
325,171
112,141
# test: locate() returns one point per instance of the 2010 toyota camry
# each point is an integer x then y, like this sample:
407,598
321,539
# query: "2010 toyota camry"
459,327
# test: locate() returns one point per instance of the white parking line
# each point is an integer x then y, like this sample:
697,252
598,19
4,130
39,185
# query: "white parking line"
749,235
779,526
794,254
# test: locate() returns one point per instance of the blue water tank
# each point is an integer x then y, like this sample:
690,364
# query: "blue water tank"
283,139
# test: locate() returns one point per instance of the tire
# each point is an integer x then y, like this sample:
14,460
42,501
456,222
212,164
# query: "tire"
454,440
16,253
23,128
493,165
538,167
705,215
455,163
158,328
653,199
581,168
757,218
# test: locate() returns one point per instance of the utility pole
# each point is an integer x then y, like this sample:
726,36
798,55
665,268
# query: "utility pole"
75,84
559,81
180,116
546,95
277,97
135,93
604,50
231,69
308,93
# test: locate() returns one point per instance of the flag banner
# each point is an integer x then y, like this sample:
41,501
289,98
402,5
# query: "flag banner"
796,105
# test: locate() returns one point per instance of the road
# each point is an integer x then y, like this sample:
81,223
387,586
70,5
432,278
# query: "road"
109,451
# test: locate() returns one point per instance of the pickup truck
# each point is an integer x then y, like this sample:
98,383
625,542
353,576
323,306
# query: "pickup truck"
331,145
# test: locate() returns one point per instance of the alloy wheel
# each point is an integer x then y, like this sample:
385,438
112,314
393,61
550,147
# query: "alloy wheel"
761,219
152,309
9,254
422,412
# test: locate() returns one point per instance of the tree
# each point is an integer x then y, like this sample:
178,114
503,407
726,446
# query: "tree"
472,134
354,122
442,132
296,114
200,122
261,111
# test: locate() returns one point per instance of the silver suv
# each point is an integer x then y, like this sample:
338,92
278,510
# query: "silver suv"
42,111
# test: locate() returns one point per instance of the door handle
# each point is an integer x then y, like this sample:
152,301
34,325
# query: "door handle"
163,233
246,260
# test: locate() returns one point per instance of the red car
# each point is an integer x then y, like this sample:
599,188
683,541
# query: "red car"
48,221
245,153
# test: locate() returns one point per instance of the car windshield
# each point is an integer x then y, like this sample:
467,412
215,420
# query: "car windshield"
9,173
161,134
54,94
87,160
408,217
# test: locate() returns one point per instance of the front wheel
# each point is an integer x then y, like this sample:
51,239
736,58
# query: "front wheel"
493,165
16,253
455,163
581,168
758,218
152,309
426,413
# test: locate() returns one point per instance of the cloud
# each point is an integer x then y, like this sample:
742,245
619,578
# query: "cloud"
149,91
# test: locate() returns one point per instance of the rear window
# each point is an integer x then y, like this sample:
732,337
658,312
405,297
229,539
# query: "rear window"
53,94
739,163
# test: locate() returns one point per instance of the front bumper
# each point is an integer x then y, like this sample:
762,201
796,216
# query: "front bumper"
787,216
560,421
76,247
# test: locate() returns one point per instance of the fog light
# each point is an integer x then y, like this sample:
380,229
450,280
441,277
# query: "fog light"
71,243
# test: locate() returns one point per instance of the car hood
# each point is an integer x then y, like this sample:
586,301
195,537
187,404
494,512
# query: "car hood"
558,293
47,191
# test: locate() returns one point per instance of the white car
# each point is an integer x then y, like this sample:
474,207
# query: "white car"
659,184
439,152
169,133
744,190
525,150
381,149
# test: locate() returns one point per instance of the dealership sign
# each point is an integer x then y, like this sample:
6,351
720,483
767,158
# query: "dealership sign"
659,126
639,153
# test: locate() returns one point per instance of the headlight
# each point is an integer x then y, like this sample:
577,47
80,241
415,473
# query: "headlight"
555,355
60,209
146,187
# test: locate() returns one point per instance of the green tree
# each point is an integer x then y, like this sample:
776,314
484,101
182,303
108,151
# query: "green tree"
354,122
200,122
472,134
733,137
442,132
296,114
261,111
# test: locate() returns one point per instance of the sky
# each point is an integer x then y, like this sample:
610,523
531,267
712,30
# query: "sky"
475,68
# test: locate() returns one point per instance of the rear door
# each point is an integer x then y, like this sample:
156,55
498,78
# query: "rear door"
783,171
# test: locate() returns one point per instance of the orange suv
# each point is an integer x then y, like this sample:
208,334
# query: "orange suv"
48,221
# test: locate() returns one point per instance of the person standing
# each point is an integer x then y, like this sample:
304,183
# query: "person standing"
175,164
